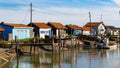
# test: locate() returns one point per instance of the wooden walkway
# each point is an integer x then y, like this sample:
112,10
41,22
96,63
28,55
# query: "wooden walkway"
30,44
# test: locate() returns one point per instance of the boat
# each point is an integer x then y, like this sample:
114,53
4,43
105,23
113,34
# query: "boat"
111,45
102,46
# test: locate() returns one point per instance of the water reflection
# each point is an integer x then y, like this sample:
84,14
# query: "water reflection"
76,58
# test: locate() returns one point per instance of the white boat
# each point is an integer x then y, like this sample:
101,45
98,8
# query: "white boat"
102,46
109,46
113,45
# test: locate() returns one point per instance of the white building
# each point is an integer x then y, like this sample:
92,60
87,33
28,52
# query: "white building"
111,30
41,29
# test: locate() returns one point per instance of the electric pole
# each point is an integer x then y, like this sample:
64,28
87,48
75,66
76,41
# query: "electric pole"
30,23
90,22
31,13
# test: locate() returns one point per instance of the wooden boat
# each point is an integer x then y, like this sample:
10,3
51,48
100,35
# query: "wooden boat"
102,46
113,45
109,46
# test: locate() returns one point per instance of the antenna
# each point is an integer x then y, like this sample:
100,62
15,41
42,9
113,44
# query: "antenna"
101,17
90,16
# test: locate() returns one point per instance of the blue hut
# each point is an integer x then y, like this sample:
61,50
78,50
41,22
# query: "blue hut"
20,30
74,29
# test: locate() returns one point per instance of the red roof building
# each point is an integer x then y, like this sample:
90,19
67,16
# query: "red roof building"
58,29
41,29
74,29
99,27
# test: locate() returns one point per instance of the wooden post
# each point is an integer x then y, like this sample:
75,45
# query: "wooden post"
52,42
17,53
30,50
34,45
52,59
59,39
16,48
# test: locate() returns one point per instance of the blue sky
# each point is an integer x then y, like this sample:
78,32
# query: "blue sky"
64,11
58,3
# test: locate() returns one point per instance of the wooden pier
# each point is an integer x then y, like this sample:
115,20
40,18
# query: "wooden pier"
30,44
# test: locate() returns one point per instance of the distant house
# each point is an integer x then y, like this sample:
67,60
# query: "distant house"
88,31
21,31
56,28
1,32
98,26
41,29
111,30
74,29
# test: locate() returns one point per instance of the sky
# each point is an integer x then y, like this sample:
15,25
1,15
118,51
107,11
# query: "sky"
63,11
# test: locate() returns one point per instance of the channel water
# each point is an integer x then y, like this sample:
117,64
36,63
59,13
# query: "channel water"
75,58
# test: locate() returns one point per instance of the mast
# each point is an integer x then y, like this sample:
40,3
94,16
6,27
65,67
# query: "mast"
90,22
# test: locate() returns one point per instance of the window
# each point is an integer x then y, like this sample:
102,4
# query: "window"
17,30
43,32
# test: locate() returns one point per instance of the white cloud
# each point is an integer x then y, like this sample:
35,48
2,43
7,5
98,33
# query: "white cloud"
77,16
117,1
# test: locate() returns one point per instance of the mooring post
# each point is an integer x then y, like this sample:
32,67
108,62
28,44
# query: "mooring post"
59,39
30,50
52,42
16,48
34,45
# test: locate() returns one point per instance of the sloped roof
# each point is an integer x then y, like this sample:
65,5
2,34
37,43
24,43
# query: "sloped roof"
92,24
41,25
87,29
17,25
75,27
110,27
1,29
57,25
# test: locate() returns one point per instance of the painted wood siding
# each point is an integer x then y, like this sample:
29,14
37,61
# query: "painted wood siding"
21,33
36,32
101,29
86,32
108,31
8,30
96,29
44,32
77,32
62,33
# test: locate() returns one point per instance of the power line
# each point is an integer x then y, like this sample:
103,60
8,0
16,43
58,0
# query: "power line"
57,12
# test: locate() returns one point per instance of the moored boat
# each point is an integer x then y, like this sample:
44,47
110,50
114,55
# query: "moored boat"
102,46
